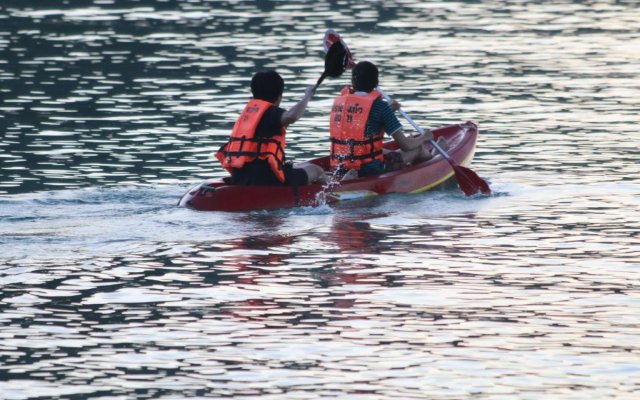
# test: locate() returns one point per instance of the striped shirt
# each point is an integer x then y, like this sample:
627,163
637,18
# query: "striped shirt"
382,117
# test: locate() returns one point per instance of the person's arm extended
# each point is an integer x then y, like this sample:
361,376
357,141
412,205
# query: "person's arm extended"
294,113
408,143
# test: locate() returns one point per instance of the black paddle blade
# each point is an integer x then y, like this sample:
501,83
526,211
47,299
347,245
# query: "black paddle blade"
470,183
336,60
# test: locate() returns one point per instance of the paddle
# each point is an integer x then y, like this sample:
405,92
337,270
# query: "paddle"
335,62
468,181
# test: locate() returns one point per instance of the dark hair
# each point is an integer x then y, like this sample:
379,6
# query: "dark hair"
364,76
267,85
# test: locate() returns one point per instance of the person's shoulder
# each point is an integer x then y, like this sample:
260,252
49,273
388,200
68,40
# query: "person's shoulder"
275,110
271,122
380,102
273,113
381,106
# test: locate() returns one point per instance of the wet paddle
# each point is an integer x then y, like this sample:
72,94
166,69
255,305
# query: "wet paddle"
468,181
335,62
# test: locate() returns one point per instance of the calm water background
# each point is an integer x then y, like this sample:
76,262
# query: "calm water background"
110,110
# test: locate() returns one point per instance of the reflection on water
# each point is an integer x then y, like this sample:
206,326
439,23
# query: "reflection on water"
445,296
110,110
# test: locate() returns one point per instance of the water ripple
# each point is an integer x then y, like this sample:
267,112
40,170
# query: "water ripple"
110,111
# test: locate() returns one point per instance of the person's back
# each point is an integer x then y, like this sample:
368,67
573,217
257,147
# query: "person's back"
353,143
258,170
357,134
255,152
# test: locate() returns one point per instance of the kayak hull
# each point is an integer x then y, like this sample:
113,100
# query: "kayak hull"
213,195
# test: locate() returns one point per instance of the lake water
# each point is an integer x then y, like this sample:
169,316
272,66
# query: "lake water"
110,111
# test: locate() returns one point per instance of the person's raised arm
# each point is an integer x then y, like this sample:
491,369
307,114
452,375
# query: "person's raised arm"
294,113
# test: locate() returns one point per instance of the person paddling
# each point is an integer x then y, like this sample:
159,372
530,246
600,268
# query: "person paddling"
359,118
255,152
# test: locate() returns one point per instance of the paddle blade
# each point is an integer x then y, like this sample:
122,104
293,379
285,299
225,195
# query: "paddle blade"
335,62
470,183
336,59
332,37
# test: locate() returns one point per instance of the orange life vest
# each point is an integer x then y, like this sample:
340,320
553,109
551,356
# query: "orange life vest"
243,146
350,148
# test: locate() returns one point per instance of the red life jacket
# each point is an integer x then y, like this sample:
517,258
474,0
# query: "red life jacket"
350,148
243,146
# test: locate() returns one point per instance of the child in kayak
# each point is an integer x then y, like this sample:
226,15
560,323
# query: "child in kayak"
359,118
254,154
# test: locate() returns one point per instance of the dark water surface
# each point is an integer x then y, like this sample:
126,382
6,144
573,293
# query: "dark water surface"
110,110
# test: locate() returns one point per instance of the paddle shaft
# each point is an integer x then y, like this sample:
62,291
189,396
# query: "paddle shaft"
469,181
418,128
324,75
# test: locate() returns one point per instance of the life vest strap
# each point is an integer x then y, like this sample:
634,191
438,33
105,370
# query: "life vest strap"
278,154
353,142
353,157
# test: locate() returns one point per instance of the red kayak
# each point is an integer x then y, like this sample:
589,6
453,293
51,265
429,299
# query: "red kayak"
220,196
